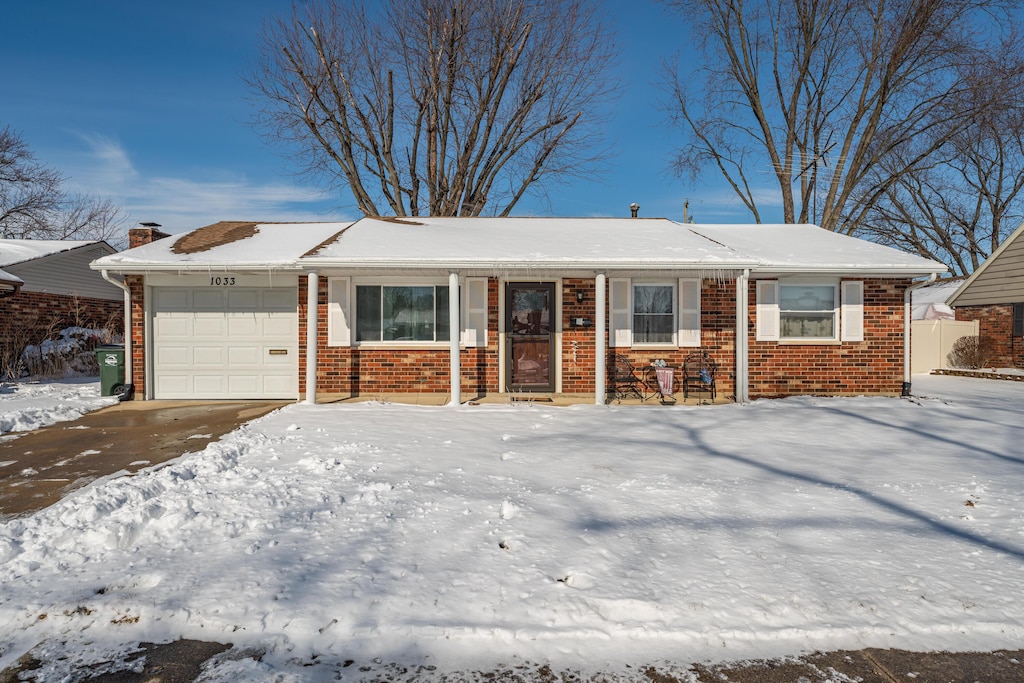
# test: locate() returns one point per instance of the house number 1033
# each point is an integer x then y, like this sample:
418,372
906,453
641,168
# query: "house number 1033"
222,281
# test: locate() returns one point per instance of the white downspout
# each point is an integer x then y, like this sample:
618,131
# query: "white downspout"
127,325
907,314
600,355
742,350
454,333
312,326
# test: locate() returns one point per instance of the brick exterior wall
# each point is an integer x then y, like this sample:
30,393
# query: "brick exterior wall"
995,322
138,328
32,315
718,339
365,371
873,366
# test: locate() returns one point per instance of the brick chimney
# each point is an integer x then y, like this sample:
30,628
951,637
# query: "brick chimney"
145,233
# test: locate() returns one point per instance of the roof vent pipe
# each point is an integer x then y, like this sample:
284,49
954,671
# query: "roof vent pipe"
634,208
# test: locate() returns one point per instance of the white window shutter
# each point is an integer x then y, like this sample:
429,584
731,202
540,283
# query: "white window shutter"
474,312
339,297
620,333
767,310
852,311
689,311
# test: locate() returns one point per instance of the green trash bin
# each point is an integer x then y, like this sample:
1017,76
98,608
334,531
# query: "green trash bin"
111,360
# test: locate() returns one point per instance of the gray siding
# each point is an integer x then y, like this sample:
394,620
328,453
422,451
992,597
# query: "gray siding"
1002,281
68,273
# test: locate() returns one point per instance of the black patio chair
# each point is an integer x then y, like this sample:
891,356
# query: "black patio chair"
699,371
627,383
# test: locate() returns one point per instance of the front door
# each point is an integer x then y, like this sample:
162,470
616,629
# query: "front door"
531,314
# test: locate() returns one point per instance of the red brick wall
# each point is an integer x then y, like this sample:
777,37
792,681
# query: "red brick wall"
362,371
32,315
718,338
996,323
135,284
873,366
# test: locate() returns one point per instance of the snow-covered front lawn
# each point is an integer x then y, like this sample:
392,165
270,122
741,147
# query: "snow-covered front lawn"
588,537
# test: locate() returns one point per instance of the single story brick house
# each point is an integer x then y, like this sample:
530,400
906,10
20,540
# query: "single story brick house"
994,296
57,288
473,306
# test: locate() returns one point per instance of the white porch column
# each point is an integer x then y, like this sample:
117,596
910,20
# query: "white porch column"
455,329
742,355
600,328
312,325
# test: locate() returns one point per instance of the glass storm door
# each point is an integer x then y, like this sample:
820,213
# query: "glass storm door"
529,325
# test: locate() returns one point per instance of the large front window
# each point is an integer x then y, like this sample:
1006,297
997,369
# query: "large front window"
653,314
808,311
402,313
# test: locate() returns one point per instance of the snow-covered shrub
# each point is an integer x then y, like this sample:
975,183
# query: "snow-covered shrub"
971,352
70,353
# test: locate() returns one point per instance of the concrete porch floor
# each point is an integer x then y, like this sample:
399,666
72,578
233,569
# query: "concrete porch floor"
551,399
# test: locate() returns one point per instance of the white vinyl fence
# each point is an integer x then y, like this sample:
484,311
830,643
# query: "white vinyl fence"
932,340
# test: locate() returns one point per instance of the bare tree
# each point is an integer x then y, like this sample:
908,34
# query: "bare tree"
811,97
437,107
35,205
959,208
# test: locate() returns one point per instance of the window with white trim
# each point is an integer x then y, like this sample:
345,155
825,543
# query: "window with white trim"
654,313
402,313
654,317
379,311
810,311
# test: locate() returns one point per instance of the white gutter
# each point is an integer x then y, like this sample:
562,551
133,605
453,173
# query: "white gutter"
906,330
127,325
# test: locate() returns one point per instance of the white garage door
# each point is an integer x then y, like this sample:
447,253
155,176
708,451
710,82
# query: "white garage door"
232,342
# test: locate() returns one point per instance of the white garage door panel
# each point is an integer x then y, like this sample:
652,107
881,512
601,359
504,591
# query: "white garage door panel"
210,356
208,327
208,386
173,356
242,327
172,327
208,300
243,356
172,299
172,384
214,342
248,299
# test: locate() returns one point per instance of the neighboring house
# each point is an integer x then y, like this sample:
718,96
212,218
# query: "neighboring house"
511,306
9,285
929,302
58,289
994,296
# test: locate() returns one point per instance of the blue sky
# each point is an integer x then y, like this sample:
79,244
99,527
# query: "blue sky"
144,102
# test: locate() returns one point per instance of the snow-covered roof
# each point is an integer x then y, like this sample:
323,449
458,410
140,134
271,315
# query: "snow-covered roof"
929,303
14,251
266,245
521,243
539,242
804,247
8,280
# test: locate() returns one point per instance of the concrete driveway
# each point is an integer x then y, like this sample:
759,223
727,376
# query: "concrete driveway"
43,466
